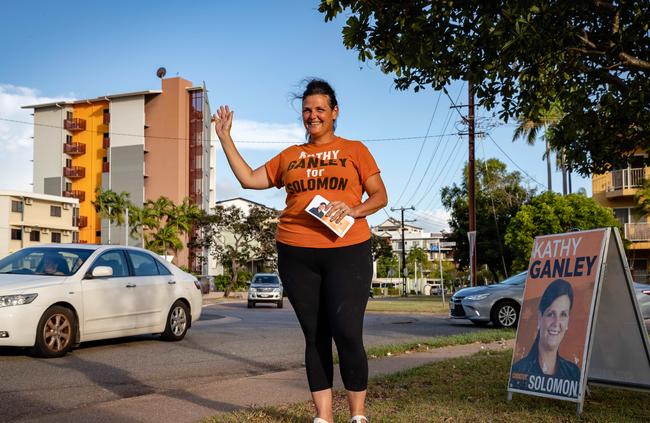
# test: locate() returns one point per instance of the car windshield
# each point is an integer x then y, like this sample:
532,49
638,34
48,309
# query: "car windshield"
272,280
45,261
515,280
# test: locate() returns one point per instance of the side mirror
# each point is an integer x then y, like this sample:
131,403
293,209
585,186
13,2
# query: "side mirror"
102,272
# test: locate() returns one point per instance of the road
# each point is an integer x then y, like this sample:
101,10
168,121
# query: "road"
229,341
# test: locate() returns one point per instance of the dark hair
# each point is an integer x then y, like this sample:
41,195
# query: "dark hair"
322,204
556,289
319,86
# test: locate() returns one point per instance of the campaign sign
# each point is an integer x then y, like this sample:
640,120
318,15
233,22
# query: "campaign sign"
552,341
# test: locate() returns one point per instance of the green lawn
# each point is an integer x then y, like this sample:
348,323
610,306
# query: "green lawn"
411,304
468,389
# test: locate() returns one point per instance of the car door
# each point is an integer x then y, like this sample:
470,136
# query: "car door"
110,304
153,291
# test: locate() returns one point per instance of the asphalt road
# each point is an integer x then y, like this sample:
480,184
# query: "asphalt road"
229,341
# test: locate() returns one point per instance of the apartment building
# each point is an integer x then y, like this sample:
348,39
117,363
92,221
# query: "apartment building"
616,190
28,219
148,143
431,242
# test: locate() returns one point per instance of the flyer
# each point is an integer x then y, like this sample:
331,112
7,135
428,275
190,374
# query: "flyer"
317,207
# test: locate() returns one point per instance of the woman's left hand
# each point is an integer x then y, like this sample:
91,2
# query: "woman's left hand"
337,210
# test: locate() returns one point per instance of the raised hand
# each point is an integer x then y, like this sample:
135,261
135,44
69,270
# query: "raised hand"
223,122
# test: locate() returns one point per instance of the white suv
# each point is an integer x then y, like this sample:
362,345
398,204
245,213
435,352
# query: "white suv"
265,288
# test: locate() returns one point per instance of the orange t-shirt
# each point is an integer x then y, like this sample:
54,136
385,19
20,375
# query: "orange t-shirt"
336,171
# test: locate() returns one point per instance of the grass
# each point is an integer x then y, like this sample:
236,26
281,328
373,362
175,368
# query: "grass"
483,336
412,304
467,389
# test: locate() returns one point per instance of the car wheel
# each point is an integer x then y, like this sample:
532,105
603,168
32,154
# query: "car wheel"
480,323
178,321
505,315
251,304
280,304
56,332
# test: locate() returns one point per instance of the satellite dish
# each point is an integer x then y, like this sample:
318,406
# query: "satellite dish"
161,72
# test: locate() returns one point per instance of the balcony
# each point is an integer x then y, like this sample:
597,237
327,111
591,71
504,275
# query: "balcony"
74,124
625,182
74,172
79,195
106,167
80,221
107,118
106,142
74,149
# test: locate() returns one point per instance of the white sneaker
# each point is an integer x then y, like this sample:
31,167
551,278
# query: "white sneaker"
319,420
359,419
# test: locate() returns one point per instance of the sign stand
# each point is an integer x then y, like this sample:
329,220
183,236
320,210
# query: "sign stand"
613,335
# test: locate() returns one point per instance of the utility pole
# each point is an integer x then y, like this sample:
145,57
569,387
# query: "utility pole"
404,269
472,185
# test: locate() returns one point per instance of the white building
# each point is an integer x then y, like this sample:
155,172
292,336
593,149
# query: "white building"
431,242
28,219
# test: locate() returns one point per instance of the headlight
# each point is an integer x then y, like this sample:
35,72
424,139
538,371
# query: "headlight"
276,289
477,297
20,299
197,284
252,290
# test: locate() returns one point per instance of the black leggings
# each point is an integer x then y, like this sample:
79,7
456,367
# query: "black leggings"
328,288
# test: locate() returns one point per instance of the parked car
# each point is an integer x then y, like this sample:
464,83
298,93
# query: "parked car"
643,298
498,303
53,297
265,288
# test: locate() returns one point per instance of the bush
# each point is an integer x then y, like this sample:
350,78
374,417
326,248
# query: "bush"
393,291
377,291
220,282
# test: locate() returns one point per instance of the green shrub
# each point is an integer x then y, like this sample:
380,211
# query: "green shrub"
377,291
393,291
220,282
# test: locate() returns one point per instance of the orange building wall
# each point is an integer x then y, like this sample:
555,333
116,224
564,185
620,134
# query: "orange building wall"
92,162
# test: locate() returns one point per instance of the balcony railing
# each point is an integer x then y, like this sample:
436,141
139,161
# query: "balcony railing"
80,221
75,124
637,231
79,195
107,118
74,172
106,167
627,178
106,142
74,149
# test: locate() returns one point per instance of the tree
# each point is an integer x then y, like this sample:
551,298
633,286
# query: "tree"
387,266
112,206
417,256
164,239
380,246
499,195
591,56
529,130
551,213
235,237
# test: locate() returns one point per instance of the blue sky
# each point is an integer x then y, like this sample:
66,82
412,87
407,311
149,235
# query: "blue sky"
253,56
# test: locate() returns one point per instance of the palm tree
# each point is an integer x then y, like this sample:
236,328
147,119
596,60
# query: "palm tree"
529,129
112,206
164,239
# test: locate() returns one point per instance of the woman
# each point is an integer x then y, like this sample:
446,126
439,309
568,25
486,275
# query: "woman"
552,323
327,278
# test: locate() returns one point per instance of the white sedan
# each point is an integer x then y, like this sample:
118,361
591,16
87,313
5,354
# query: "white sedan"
53,297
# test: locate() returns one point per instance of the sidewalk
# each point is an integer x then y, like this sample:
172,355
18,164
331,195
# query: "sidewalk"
211,399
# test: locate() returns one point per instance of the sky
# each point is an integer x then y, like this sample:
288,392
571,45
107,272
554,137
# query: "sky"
252,56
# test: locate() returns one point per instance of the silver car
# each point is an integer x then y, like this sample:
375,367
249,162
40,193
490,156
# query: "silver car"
498,303
265,288
643,298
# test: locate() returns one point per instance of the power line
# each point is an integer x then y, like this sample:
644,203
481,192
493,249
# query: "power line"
513,162
417,159
433,154
237,142
429,189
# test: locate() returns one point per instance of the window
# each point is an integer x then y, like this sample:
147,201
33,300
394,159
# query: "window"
68,115
16,206
143,264
68,139
16,234
55,211
68,162
75,237
56,237
35,236
162,269
31,260
68,186
115,260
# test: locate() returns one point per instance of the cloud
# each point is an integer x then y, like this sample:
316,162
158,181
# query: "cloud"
254,135
16,131
432,220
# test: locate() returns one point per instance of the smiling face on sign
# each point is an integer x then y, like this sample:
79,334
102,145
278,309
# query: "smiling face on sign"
553,323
